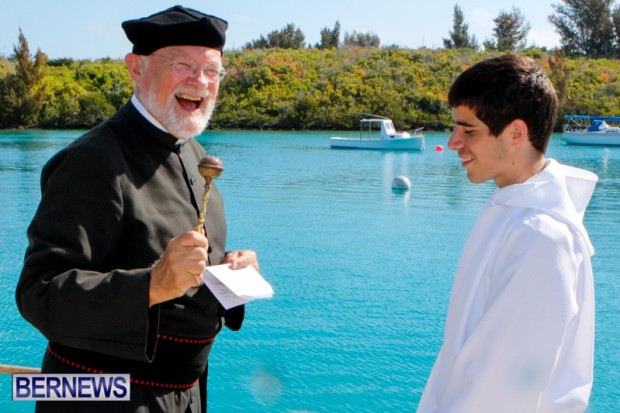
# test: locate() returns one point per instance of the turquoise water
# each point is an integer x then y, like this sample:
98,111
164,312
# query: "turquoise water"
362,274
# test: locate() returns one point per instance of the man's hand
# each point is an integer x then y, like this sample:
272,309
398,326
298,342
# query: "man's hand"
179,268
241,259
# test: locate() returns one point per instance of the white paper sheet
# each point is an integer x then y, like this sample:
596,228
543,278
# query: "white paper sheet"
235,287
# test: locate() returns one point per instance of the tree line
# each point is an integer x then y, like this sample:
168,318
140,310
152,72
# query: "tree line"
301,88
586,27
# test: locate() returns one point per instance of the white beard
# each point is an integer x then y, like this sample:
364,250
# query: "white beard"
183,128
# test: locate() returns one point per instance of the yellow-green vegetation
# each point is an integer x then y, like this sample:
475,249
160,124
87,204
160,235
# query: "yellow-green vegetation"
83,93
312,88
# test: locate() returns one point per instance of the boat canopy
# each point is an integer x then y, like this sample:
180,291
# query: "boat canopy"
387,127
593,118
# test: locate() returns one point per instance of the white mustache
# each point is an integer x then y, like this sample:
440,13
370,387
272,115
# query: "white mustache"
202,94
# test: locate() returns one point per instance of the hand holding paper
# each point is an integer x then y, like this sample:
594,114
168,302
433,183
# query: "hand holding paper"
236,287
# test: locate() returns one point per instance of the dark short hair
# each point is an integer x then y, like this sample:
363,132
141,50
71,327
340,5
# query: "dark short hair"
502,89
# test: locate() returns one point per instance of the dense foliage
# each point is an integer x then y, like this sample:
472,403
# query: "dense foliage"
21,90
71,94
289,37
307,88
588,27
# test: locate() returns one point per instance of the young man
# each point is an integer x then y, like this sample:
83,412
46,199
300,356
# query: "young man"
519,333
113,271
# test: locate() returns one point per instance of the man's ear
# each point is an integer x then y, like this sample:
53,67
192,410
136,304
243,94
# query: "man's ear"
134,66
520,132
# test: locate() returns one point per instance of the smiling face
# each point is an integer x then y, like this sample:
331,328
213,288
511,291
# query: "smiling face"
183,104
483,155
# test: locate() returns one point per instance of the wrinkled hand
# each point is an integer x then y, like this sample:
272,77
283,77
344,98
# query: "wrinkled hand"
179,268
241,259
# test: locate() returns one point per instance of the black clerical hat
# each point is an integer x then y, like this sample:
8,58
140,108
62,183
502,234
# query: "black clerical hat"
176,26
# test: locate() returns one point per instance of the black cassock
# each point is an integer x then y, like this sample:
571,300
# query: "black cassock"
110,202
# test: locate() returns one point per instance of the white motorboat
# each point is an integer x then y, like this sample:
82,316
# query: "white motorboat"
377,132
592,130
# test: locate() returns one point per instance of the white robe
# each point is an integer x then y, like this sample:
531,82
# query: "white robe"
519,334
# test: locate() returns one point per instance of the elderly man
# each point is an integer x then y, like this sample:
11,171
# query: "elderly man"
113,272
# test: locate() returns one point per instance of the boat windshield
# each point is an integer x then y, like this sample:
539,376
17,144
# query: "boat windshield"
598,125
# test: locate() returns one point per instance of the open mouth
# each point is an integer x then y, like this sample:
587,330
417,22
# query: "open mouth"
188,102
466,161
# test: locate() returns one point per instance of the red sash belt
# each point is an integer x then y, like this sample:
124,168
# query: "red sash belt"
178,363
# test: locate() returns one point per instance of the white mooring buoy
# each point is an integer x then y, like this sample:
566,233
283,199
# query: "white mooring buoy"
401,182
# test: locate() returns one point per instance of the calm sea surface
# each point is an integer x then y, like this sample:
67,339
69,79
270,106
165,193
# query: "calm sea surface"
362,274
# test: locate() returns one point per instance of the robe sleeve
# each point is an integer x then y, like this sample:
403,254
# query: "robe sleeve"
527,353
65,289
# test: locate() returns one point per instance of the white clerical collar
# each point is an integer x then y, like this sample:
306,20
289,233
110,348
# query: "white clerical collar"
146,113
150,117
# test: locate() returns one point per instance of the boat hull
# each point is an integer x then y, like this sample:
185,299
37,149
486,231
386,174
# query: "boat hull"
410,144
592,138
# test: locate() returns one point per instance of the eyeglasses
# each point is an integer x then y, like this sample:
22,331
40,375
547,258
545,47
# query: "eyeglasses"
185,69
